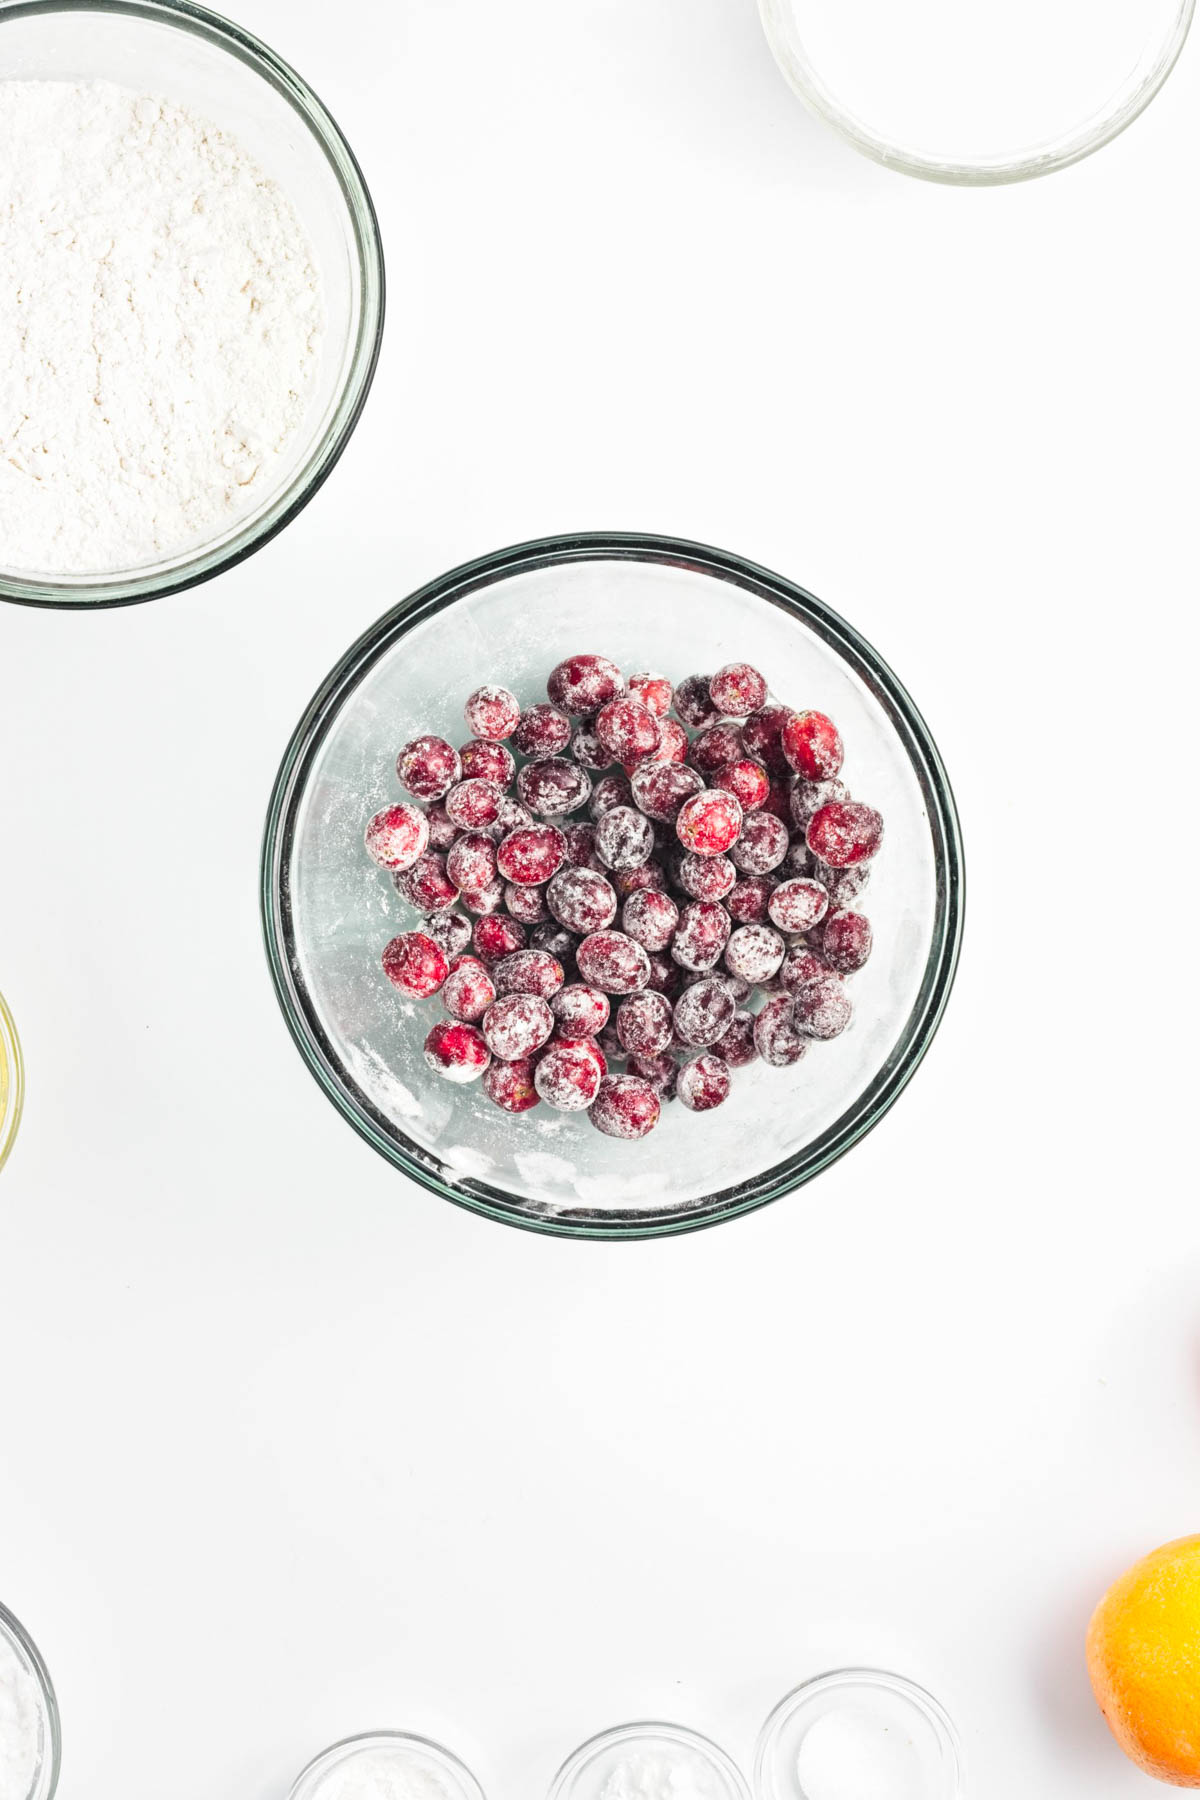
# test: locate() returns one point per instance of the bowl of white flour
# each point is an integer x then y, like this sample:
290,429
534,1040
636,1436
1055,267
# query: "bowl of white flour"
29,1738
386,1765
196,286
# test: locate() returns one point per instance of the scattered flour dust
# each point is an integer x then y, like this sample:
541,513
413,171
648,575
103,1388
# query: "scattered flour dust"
20,1725
161,328
383,1774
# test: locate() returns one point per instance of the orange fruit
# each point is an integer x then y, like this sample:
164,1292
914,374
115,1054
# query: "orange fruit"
1143,1651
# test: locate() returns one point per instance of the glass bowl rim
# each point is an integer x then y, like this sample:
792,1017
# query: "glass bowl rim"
364,1739
126,588
642,1728
10,1624
1071,146
309,736
920,1698
10,1055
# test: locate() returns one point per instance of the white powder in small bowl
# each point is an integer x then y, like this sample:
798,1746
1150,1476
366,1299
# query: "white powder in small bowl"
22,1724
381,1771
851,1754
653,1776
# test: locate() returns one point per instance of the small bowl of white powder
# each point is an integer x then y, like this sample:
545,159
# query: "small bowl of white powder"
859,1734
196,298
386,1765
649,1762
29,1736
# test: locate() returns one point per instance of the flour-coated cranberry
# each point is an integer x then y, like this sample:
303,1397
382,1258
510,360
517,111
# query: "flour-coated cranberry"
485,761
673,745
644,1023
845,939
754,953
624,838
776,1038
554,787
704,1012
610,791
746,902
531,854
428,767
496,937
397,836
468,989
660,789
650,918
426,885
694,703
516,1025
581,846
542,731
746,779
842,885
511,817
779,798
710,822
480,901
797,864
738,689
473,803
845,833
613,962
568,1075
822,1008
762,845
654,691
798,905
651,876
736,1043
528,904
706,877
628,730
583,684
704,1083
471,862
702,934
666,977
581,1011
510,1085
450,930
442,829
625,1107
588,751
582,900
808,797
415,964
661,1071
554,941
800,968
762,736
492,712
529,972
457,1051
813,745
720,744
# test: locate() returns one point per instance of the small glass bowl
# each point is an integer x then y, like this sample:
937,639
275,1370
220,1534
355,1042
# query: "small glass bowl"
45,1780
654,603
982,94
586,1772
186,53
880,1706
412,1755
12,1081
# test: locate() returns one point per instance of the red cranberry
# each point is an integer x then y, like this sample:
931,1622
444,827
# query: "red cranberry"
754,953
808,797
694,703
582,900
471,862
484,900
650,918
812,745
745,779
516,1025
542,731
610,791
496,937
553,941
762,736
397,836
644,1023
673,744
842,885
762,846
637,881
746,903
450,930
654,691
779,799
613,962
428,767
704,1012
581,1011
510,1085
704,1083
625,1107
822,1008
426,885
738,689
719,745
703,932
845,833
706,877
660,789
553,787
492,712
775,1035
588,751
666,977
442,829
457,1051
624,838
568,1076
531,854
473,803
800,967
583,684
487,762
529,972
845,940
528,904
661,1071
628,730
468,989
415,964
581,846
798,905
736,1043
709,823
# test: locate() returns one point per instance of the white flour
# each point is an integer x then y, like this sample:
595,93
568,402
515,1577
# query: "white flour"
653,1776
159,333
382,1774
853,1755
20,1725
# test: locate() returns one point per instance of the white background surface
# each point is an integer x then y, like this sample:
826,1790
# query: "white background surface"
291,1449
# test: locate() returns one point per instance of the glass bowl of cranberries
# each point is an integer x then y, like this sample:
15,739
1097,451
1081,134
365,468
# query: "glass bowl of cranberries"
612,886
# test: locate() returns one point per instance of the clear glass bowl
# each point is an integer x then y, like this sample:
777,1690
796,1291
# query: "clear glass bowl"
977,94
408,1755
12,1081
45,1780
852,1717
586,1773
188,54
649,603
